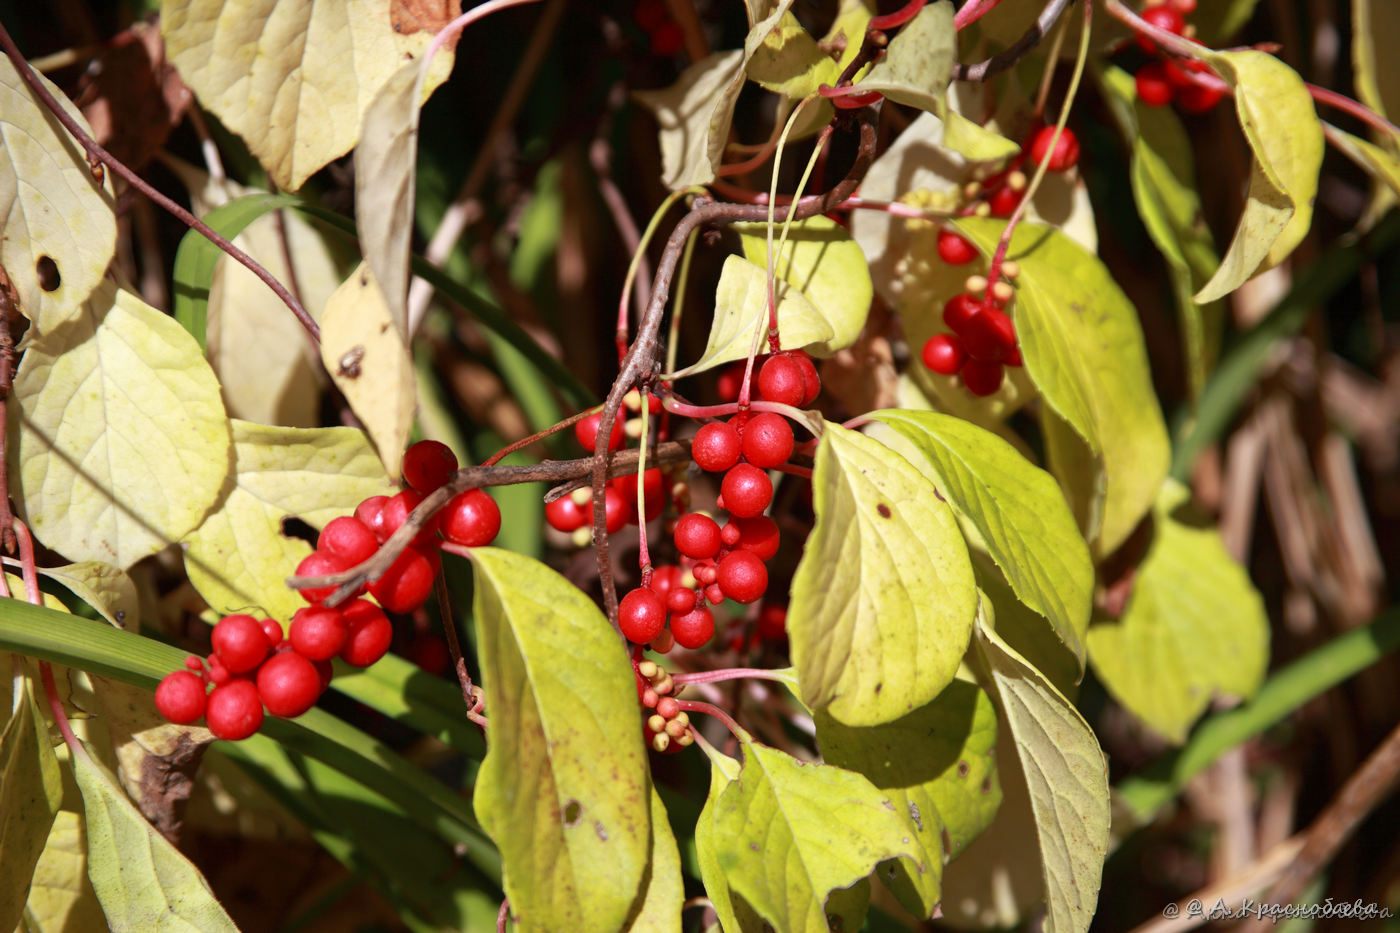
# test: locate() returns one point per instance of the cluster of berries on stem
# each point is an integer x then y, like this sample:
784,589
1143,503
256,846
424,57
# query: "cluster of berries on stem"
1163,80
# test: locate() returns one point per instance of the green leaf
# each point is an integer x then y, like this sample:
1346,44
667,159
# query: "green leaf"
1067,777
565,793
741,315
822,263
103,587
883,598
733,913
1377,71
52,207
1084,350
143,881
61,897
663,889
789,833
1194,627
918,63
1283,131
123,440
938,765
30,792
239,559
1018,512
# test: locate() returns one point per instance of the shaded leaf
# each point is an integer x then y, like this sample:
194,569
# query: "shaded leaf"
1377,71
918,62
30,793
1381,164
61,897
103,587
663,891
733,913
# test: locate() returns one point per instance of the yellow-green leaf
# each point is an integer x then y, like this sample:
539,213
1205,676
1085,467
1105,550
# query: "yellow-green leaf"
791,62
883,598
938,765
1281,125
365,353
789,833
733,913
30,792
564,787
143,881
103,587
1194,627
1018,511
1084,350
918,63
663,890
123,442
1067,777
61,897
239,559
53,210
295,77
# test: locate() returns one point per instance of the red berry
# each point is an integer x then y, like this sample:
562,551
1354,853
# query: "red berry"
428,465
617,511
563,514
811,379
772,622
273,630
704,572
319,564
348,538
368,633
729,535
317,633
664,579
990,336
218,674
1066,153
324,673
1162,16
716,447
782,380
371,514
1013,358
1004,201
641,616
240,643
667,39
692,630
180,697
472,519
731,381
1179,72
1199,98
758,535
959,310
767,440
653,491
396,512
981,377
955,249
234,710
697,536
408,581
943,353
746,490
714,593
681,600
1153,87
288,684
193,663
586,432
742,576
429,652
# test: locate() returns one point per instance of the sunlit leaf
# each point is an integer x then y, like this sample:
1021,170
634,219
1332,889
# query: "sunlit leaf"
30,792
563,790
57,227
883,598
918,63
790,61
734,913
61,897
123,442
103,587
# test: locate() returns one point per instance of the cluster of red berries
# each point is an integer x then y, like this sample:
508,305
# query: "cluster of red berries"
724,561
1164,81
667,727
983,339
253,666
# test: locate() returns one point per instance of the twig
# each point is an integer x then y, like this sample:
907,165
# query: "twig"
600,157
471,694
99,154
9,313
982,71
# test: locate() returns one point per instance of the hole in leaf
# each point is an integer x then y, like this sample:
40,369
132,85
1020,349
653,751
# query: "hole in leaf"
47,270
572,809
293,527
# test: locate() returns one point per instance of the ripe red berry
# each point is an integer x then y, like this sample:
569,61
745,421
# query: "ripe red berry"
990,336
697,536
180,697
429,652
955,249
349,538
746,490
641,616
781,380
742,576
811,379
767,440
234,710
714,593
240,643
943,353
693,630
1199,98
317,633
758,535
218,674
772,622
664,579
653,491
729,535
319,564
324,673
273,630
1065,155
981,377
716,447
680,600
617,511
586,432
1163,16
409,580
704,572
288,684
1003,201
563,514
428,465
959,310
371,513
1153,87
472,519
368,633
731,381
396,512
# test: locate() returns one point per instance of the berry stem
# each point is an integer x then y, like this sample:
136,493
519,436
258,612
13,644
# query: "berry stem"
674,405
643,553
899,17
60,716
535,438
638,258
972,11
1353,108
727,673
503,915
673,340
470,692
709,709
991,67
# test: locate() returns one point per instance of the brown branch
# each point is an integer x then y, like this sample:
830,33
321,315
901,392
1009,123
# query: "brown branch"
471,694
984,70
9,316
98,154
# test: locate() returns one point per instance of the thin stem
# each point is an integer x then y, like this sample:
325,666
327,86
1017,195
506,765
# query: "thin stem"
1001,61
643,553
1354,108
1052,58
686,410
470,692
638,263
673,340
972,11
899,17
99,154
772,277
60,716
727,673
503,915
535,438
709,709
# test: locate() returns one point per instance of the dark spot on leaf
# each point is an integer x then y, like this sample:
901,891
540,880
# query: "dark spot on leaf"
753,846
349,366
963,768
884,510
364,280
601,831
939,495
915,815
47,270
986,787
880,686
572,809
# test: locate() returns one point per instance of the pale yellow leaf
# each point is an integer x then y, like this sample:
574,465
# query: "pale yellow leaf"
103,587
61,898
